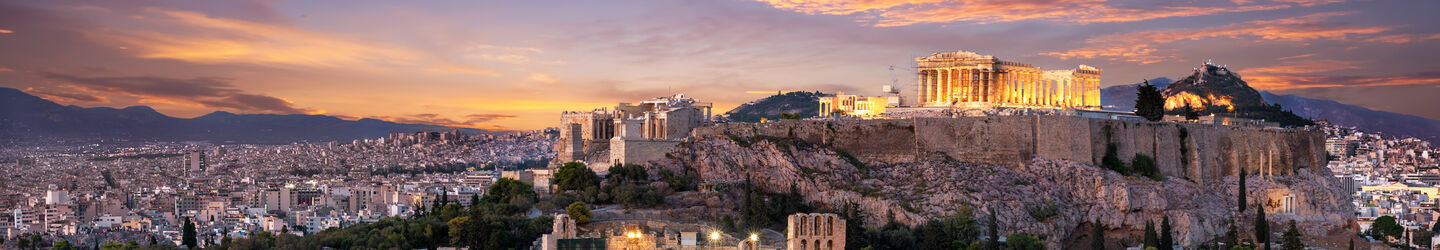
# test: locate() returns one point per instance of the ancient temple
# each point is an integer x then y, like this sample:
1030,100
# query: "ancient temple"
962,78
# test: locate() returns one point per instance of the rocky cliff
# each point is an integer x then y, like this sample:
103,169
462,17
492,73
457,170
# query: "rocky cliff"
1198,152
1051,198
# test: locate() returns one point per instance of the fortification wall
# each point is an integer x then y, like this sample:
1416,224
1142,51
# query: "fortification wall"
638,151
1197,152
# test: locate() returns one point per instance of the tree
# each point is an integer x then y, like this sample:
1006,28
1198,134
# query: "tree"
132,245
575,176
1419,237
1149,103
579,212
1241,194
1386,226
153,242
22,243
187,237
62,244
950,232
510,191
1292,241
1434,228
994,242
1151,238
1167,239
1232,236
1262,226
1190,114
1097,235
1024,242
474,200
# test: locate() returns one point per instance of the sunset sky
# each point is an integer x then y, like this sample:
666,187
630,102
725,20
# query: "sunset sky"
517,64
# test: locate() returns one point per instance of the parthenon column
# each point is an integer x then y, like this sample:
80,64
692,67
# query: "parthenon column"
965,81
951,82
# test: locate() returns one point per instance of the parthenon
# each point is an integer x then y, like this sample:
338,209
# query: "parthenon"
948,79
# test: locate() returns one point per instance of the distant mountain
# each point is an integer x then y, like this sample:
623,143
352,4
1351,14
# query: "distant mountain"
804,104
1122,97
1388,123
25,115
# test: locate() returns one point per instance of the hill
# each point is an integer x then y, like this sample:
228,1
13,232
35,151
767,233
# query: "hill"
803,104
1214,89
26,116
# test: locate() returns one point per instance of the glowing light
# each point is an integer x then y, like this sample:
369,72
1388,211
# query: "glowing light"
1178,101
754,237
714,235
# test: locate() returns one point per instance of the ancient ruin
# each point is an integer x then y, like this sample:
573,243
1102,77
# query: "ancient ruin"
967,79
628,133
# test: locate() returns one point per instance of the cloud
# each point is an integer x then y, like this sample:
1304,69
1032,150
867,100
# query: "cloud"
5,31
543,78
888,13
4,69
468,121
1312,74
1140,47
198,38
67,96
210,92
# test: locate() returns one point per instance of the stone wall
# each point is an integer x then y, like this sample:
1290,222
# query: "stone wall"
624,151
1197,152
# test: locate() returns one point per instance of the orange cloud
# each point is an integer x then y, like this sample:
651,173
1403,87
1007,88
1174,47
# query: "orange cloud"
198,38
1308,74
1139,46
889,13
5,31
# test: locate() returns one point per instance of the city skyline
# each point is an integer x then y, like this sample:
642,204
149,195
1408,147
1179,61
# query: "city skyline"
517,65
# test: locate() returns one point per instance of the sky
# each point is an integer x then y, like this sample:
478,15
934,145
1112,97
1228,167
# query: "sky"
515,65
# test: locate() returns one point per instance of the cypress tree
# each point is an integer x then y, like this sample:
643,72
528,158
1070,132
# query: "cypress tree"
1262,226
1151,239
1242,190
1292,238
1097,235
1149,103
188,234
994,242
1167,240
474,200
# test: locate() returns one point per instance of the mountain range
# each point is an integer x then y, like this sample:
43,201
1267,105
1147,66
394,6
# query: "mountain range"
26,116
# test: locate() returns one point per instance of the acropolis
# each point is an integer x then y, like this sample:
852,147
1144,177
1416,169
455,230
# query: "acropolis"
967,79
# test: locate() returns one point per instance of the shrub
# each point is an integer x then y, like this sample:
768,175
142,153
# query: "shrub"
1145,166
1024,242
1112,161
579,212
